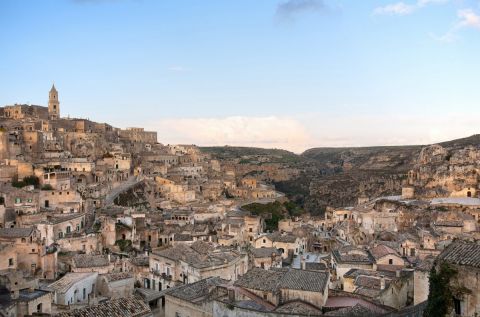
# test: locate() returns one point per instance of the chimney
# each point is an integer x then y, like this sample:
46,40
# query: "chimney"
109,258
382,282
302,263
398,273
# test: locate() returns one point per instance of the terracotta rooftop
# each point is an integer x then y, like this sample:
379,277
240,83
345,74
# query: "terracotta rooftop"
121,307
198,291
87,261
112,277
197,255
62,285
353,311
284,278
265,252
462,253
14,233
299,307
382,250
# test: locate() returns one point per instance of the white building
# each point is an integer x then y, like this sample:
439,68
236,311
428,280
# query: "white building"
73,288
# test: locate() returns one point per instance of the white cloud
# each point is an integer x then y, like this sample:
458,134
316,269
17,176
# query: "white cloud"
316,130
467,18
401,8
268,132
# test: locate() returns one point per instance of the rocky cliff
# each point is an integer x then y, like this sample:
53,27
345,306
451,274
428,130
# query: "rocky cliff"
338,177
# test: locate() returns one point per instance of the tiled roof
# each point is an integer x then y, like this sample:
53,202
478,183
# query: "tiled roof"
265,252
370,282
201,247
313,281
276,279
140,261
382,250
197,291
15,232
299,307
462,253
182,237
352,257
112,277
278,237
62,285
121,307
315,266
260,279
86,261
353,311
190,255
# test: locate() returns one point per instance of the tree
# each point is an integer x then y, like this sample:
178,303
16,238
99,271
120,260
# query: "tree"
440,297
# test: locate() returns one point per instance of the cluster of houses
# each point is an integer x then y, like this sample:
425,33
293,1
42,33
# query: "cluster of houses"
96,220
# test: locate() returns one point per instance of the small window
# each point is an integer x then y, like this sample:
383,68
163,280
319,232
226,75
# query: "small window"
390,261
457,305
10,262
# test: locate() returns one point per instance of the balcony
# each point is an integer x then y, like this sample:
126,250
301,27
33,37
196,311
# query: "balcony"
166,277
156,272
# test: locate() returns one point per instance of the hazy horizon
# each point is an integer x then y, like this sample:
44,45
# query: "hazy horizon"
290,74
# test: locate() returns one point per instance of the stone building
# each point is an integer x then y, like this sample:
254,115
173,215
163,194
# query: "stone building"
266,258
464,257
194,299
288,244
73,288
188,264
115,285
53,104
278,286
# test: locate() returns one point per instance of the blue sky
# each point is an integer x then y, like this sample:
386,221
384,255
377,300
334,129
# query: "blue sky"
272,73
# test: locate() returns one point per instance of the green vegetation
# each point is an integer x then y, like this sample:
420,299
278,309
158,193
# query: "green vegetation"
293,209
97,226
27,181
124,245
274,212
47,187
233,152
440,297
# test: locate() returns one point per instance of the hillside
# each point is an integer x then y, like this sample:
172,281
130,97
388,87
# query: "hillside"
337,177
249,153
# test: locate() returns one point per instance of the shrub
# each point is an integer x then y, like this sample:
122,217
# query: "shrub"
47,187
440,297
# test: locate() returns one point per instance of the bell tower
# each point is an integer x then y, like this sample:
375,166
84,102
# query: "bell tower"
53,104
